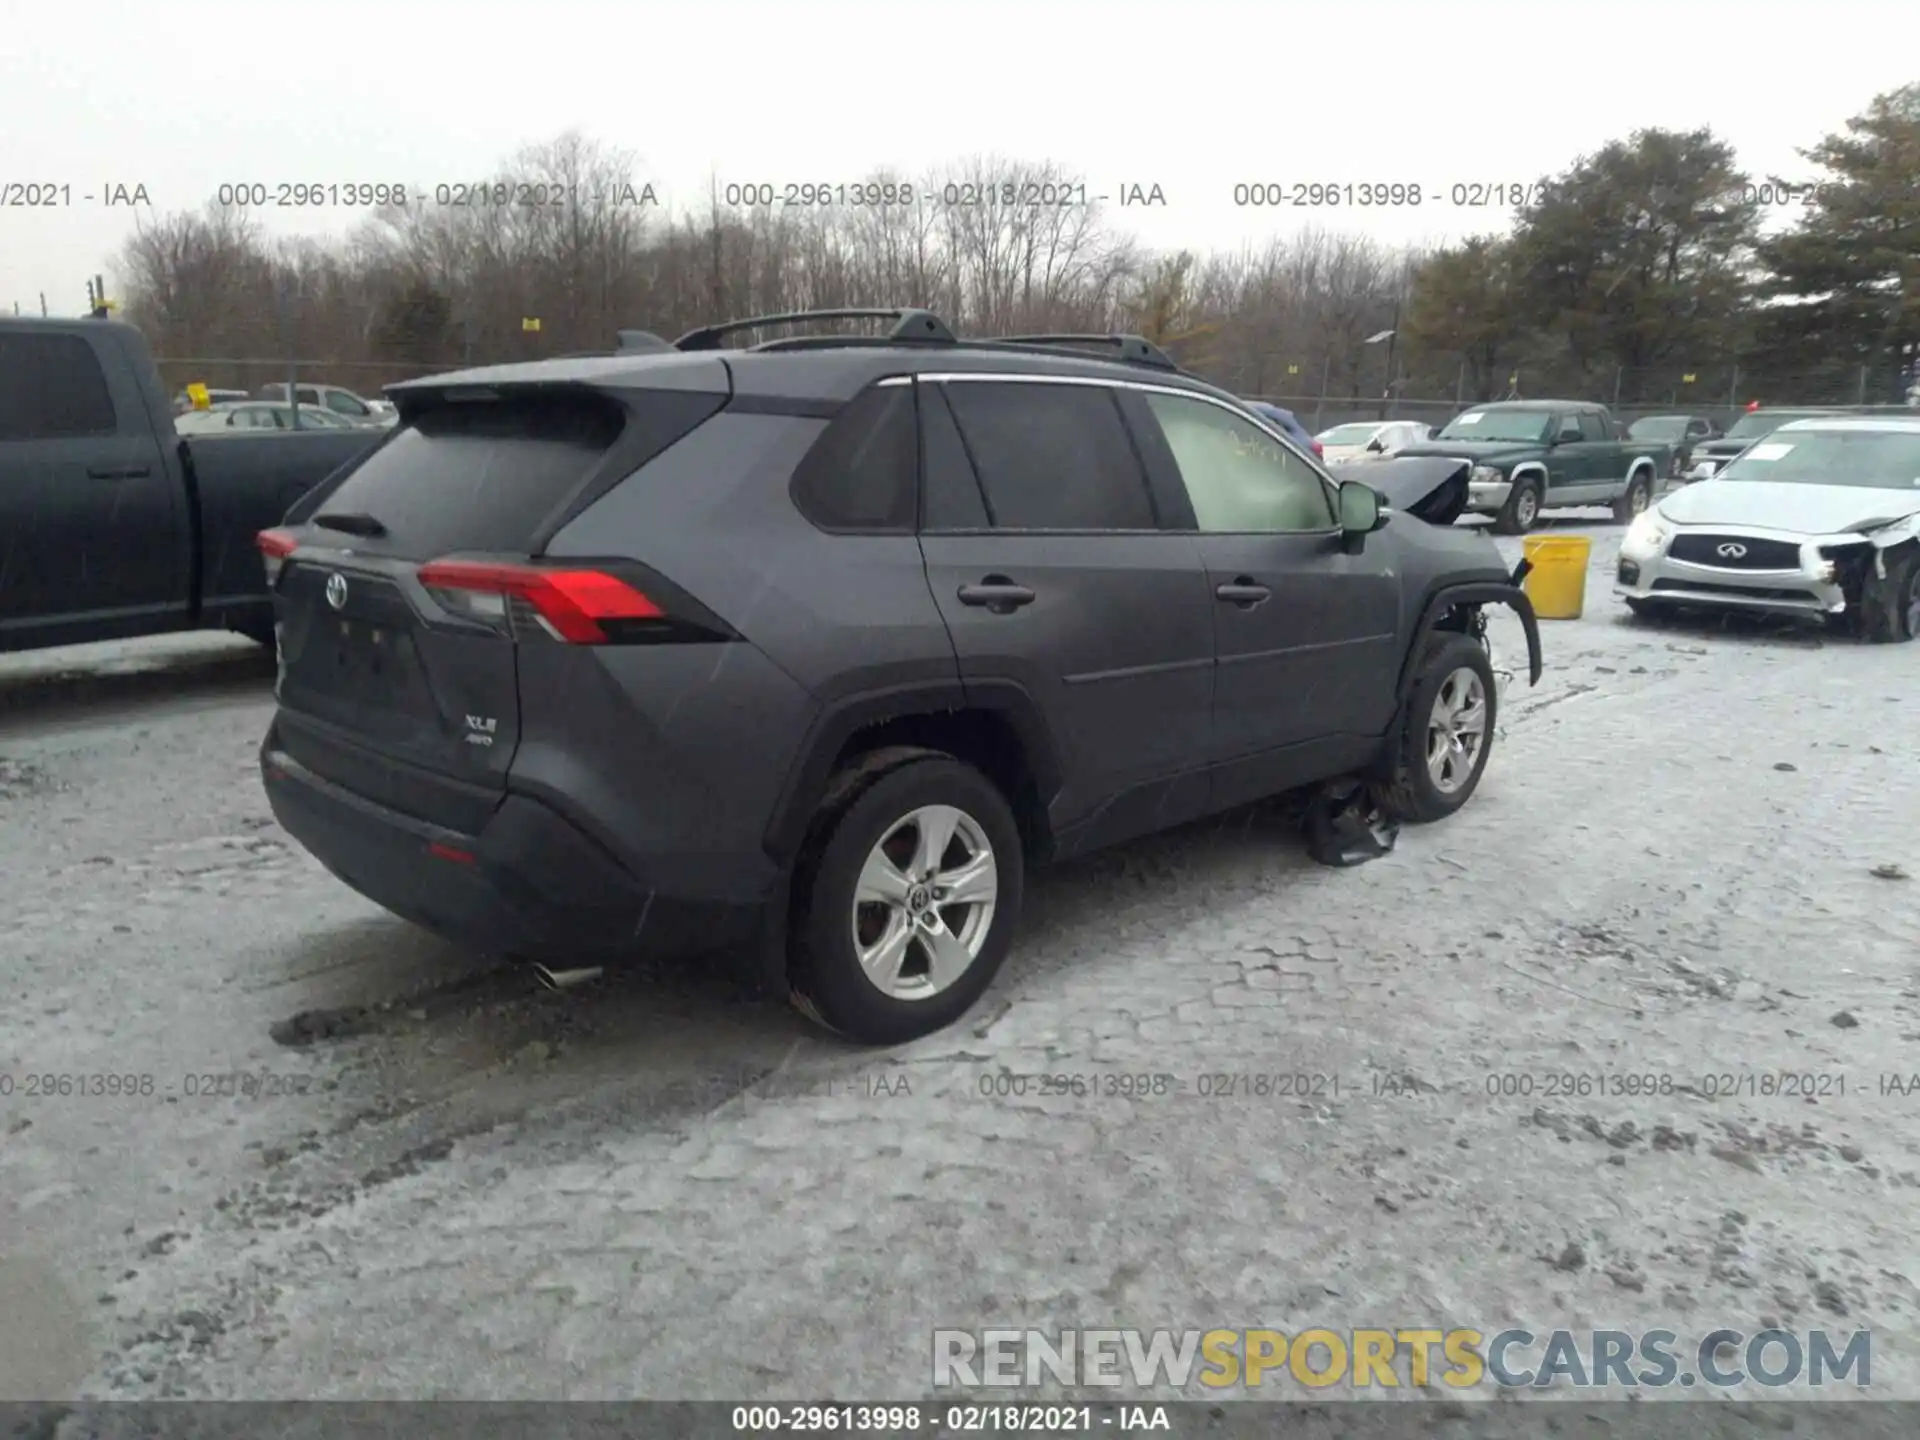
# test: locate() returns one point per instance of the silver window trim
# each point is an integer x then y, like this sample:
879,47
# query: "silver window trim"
1259,422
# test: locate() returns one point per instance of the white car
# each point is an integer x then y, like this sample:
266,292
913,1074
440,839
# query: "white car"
354,409
253,415
1821,519
1371,439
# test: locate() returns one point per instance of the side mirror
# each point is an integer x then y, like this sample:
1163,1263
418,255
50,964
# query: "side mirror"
1378,447
1361,513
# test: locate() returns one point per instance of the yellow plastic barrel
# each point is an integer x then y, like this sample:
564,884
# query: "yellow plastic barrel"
1557,583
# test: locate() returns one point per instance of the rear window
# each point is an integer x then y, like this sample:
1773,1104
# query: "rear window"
491,475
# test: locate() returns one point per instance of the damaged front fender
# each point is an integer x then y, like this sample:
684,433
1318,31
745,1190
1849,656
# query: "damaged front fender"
1455,598
1884,536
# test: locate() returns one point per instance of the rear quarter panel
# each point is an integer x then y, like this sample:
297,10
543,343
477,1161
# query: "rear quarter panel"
826,619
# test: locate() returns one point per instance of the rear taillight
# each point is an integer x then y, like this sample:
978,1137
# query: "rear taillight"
1319,450
581,607
275,546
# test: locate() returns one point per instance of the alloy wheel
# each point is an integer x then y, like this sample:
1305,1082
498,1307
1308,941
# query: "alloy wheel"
924,903
1456,730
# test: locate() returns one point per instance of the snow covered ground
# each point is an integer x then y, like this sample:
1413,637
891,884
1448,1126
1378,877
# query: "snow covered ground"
1540,1042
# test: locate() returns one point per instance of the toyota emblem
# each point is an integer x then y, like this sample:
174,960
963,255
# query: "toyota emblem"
1728,551
337,589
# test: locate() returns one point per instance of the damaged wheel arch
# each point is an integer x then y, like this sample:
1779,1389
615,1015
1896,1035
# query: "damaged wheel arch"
1458,607
1889,603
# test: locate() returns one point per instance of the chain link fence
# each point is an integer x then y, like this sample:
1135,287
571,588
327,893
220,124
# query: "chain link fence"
1720,394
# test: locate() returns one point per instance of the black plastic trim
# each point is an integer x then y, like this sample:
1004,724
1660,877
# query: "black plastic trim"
842,719
1447,597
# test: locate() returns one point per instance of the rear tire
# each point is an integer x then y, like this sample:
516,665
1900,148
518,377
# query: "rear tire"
1454,698
927,963
1890,607
1635,499
1522,510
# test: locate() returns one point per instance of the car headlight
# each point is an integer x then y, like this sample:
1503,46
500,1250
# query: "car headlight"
1486,475
1648,532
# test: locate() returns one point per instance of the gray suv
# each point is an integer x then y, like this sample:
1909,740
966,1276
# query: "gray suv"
819,644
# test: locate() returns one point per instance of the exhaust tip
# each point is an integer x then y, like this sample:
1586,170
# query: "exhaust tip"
566,979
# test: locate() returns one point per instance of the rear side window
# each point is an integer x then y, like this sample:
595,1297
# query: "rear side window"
1052,457
1592,427
860,473
480,475
52,388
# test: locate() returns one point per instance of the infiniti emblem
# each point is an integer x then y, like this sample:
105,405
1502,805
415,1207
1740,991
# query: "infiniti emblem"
337,590
1728,551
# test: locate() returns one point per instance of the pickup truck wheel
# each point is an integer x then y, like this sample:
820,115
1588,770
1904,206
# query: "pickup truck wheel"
1638,495
906,903
1446,733
1890,605
1521,511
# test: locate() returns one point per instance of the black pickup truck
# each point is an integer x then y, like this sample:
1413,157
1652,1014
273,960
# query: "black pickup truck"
112,525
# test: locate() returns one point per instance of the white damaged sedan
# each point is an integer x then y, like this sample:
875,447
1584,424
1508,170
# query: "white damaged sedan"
1822,519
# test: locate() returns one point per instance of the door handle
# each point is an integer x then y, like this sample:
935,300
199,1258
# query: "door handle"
118,472
998,594
1244,592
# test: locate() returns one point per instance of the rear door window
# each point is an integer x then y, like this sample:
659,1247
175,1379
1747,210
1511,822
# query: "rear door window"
1592,427
951,491
487,475
1051,456
52,388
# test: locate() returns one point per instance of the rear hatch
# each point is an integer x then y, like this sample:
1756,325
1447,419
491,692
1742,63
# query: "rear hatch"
404,593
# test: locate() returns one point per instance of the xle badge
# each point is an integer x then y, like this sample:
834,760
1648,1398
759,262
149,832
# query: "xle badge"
480,730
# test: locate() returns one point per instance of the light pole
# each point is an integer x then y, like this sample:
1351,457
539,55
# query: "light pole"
1387,337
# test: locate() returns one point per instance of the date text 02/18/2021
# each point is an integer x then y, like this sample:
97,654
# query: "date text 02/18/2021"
948,1420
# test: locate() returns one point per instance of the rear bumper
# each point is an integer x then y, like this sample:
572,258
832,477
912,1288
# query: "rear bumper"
530,884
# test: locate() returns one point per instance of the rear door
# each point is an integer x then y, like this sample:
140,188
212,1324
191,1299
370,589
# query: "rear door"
399,676
1304,634
90,519
1052,571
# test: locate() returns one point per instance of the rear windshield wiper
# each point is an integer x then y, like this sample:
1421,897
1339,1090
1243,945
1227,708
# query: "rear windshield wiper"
353,524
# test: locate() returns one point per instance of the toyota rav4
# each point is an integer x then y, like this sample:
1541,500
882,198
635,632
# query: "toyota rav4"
819,644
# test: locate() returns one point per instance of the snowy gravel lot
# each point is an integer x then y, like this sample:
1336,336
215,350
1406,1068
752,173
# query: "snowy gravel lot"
446,1182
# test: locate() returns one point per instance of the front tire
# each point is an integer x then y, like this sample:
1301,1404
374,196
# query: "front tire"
1634,501
1890,606
1657,611
1522,510
906,903
1446,734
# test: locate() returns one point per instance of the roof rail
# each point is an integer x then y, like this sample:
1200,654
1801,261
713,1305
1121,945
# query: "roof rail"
909,325
1134,349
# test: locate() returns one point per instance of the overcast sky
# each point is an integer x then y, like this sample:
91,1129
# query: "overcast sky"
1194,97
